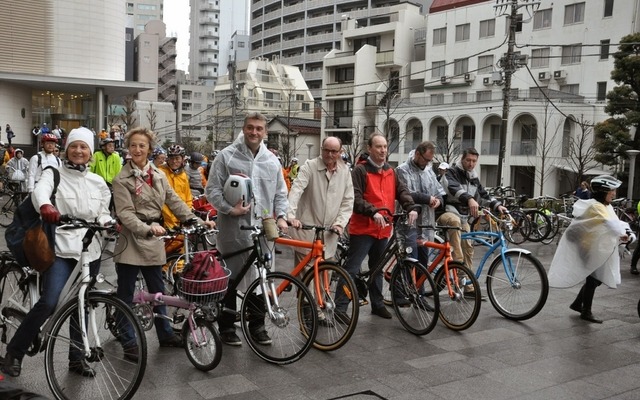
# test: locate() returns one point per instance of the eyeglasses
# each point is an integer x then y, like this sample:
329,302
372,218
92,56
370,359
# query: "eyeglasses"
331,151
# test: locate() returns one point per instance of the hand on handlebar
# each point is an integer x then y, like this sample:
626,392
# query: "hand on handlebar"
380,220
49,213
295,223
412,217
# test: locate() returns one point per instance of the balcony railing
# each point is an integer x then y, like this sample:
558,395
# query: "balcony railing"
523,148
340,89
491,147
337,122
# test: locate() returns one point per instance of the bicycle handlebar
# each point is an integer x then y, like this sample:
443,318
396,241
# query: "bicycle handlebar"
71,222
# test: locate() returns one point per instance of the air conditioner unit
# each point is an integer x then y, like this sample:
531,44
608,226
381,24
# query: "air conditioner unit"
469,77
445,79
559,74
544,76
487,81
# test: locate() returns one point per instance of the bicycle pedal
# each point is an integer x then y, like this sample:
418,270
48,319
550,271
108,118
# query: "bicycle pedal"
363,302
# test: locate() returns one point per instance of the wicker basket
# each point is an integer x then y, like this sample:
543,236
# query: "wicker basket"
204,291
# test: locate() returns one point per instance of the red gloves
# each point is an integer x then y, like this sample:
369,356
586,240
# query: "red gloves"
49,214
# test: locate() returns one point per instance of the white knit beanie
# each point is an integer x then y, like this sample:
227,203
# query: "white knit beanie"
83,134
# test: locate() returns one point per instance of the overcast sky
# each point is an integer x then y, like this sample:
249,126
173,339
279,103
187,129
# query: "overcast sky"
176,17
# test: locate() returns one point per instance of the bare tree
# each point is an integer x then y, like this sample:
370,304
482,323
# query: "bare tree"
152,117
129,109
544,149
356,147
449,148
582,152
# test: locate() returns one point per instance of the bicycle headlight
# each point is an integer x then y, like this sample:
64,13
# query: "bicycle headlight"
408,250
100,278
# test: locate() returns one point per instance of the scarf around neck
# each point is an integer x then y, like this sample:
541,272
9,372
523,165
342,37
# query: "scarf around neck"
143,176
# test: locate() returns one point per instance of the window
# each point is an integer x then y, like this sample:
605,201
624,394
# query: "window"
572,89
299,97
306,107
608,8
462,32
459,97
437,69
601,94
186,95
437,99
440,36
571,54
197,95
518,24
483,95
487,28
485,64
241,45
542,19
574,13
197,107
604,49
461,66
344,74
540,57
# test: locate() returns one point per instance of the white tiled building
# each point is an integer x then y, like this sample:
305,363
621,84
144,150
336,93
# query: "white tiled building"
444,90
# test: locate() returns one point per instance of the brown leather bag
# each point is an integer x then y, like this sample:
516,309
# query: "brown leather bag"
37,248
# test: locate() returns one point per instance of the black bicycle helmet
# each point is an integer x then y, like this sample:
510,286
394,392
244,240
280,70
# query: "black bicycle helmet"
604,183
106,141
196,157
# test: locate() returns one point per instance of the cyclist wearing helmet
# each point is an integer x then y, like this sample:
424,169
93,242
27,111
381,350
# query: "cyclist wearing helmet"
106,162
159,157
589,247
179,181
195,172
43,159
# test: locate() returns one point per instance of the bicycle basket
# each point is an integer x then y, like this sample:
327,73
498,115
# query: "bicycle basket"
205,279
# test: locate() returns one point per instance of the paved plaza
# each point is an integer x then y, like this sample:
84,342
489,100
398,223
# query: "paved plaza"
555,355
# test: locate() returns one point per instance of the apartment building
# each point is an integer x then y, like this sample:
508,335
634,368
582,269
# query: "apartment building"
64,72
302,32
155,56
213,23
139,12
451,91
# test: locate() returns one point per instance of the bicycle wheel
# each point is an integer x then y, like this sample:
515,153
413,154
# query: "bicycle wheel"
519,231
415,299
540,225
458,310
555,227
116,377
14,299
334,327
517,288
202,344
6,211
10,321
285,334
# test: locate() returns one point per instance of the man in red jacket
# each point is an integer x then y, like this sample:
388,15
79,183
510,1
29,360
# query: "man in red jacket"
375,185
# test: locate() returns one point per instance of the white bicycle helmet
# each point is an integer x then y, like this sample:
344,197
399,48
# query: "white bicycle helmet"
236,188
604,183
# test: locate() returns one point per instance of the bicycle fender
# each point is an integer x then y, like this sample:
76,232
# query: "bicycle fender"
511,251
411,259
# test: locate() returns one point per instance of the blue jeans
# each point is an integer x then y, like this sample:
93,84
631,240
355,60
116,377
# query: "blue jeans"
359,247
53,281
127,277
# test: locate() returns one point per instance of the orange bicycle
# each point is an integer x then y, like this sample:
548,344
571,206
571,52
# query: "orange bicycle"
457,285
323,279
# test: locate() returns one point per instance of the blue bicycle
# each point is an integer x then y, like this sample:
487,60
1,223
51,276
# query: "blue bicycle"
517,283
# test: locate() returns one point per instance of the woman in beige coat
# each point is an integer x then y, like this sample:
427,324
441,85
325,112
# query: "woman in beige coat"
140,191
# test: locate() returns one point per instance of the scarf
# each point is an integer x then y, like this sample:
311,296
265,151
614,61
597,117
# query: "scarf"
70,165
143,176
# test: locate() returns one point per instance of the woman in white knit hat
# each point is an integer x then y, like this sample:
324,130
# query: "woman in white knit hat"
81,194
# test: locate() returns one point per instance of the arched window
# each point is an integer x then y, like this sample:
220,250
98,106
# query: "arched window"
566,138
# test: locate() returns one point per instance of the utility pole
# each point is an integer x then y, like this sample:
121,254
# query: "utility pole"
509,63
234,96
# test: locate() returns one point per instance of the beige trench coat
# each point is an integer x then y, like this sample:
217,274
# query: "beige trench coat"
136,213
316,200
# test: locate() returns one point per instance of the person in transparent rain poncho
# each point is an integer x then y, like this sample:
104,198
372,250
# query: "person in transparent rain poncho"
589,247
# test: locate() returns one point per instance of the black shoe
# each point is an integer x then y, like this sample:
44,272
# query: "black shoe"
12,366
131,353
576,307
230,338
173,341
381,312
81,368
588,316
341,317
261,337
634,271
402,302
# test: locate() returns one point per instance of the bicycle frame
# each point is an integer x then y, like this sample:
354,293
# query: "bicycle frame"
444,256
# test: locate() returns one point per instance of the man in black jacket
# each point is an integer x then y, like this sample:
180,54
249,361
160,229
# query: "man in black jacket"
465,196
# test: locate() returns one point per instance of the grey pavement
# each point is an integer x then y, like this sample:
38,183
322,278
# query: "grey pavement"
554,355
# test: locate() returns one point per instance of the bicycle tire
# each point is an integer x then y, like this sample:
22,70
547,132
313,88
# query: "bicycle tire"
555,228
293,327
11,320
525,297
116,377
458,311
539,224
417,311
6,212
202,345
334,329
519,232
14,288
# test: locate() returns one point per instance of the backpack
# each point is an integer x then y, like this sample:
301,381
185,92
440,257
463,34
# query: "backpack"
25,218
205,279
40,160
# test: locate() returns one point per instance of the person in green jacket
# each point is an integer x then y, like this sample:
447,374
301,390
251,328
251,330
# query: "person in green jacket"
107,163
